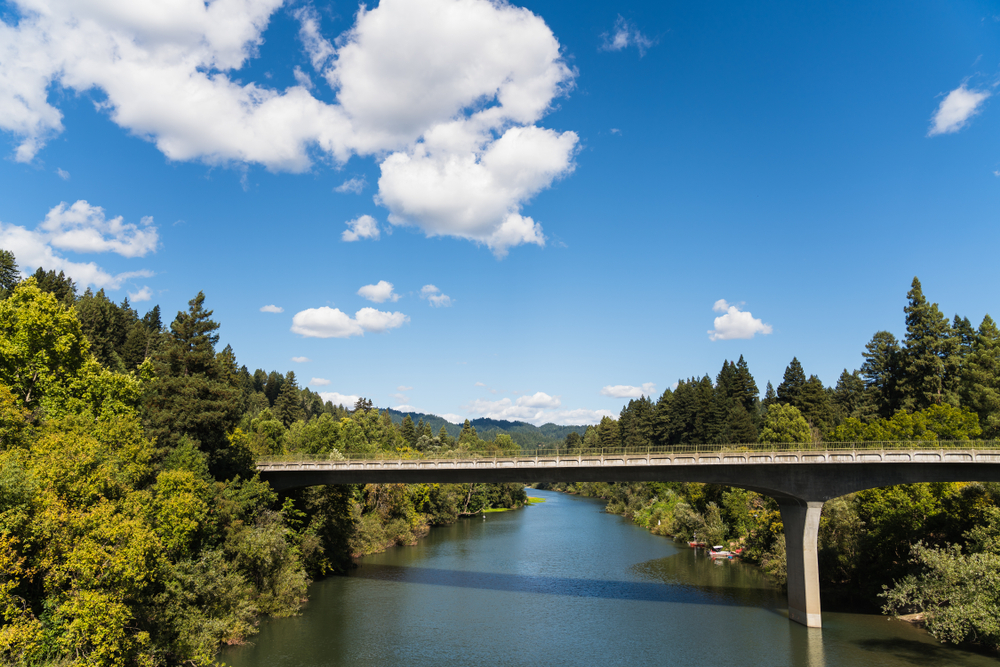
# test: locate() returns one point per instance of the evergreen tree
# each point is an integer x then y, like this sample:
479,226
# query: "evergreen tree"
273,386
815,403
882,372
287,407
661,419
61,286
980,387
408,432
189,395
851,399
608,433
930,359
426,430
573,443
9,275
468,434
769,396
745,387
792,383
443,436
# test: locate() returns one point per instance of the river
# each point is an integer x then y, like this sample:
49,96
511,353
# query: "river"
563,583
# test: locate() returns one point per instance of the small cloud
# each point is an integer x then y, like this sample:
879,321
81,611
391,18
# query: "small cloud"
996,173
615,130
956,109
405,408
63,174
434,296
319,382
326,322
145,294
735,323
480,384
352,185
364,227
379,292
624,35
402,398
335,397
403,388
301,360
271,308
628,391
452,418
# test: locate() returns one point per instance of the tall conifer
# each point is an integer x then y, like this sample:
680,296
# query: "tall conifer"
929,354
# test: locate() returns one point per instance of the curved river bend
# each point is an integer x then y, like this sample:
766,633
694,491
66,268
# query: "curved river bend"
563,583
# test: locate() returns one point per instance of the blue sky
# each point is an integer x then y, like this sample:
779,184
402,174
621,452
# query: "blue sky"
563,197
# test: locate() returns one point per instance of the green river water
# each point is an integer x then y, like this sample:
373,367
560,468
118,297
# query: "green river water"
563,583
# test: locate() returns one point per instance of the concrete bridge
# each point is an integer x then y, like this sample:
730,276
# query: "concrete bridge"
799,480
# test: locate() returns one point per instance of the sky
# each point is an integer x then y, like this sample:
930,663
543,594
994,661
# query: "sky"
529,211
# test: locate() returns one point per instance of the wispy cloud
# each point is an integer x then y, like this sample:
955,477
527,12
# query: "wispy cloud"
63,174
624,35
301,360
435,297
628,391
352,185
956,109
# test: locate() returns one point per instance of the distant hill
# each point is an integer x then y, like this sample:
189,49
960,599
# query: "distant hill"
527,435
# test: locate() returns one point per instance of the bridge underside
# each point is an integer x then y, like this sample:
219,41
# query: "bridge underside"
800,489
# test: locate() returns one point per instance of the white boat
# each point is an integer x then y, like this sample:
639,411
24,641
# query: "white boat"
718,552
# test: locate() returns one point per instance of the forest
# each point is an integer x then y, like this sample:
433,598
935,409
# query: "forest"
134,530
133,527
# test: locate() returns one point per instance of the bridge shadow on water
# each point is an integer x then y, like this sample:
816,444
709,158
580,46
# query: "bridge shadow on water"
646,591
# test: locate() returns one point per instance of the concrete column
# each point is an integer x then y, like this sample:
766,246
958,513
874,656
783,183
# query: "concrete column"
801,519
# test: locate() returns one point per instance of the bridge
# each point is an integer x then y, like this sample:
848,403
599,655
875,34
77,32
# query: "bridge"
799,479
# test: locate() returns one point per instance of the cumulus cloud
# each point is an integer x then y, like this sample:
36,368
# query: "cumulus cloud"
271,308
352,185
624,35
326,322
319,382
144,294
80,228
956,109
628,391
363,227
379,292
446,94
434,296
335,397
301,360
735,323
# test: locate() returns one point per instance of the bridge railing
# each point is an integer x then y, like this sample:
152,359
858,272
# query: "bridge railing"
701,448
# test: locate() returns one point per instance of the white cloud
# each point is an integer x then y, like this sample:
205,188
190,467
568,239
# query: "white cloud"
301,360
956,109
379,292
445,93
83,228
363,227
271,308
63,174
326,322
402,398
145,294
403,388
453,418
319,382
624,35
480,384
80,228
352,185
628,391
405,407
347,400
735,323
435,297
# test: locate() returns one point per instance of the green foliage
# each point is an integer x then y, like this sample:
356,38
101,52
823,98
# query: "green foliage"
938,422
784,423
929,360
980,377
9,275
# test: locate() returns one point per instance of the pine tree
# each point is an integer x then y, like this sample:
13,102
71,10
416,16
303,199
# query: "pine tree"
929,355
661,419
287,407
443,436
792,383
468,434
408,432
851,399
882,372
9,275
770,397
190,397
980,387
814,402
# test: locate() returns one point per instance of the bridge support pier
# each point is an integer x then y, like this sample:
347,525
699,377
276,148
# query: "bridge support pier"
801,520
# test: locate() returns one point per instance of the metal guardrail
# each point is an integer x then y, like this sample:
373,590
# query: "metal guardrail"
827,449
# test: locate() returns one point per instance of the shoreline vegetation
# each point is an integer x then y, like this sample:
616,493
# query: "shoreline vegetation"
135,531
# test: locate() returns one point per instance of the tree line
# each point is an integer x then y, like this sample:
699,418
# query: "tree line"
932,549
133,527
